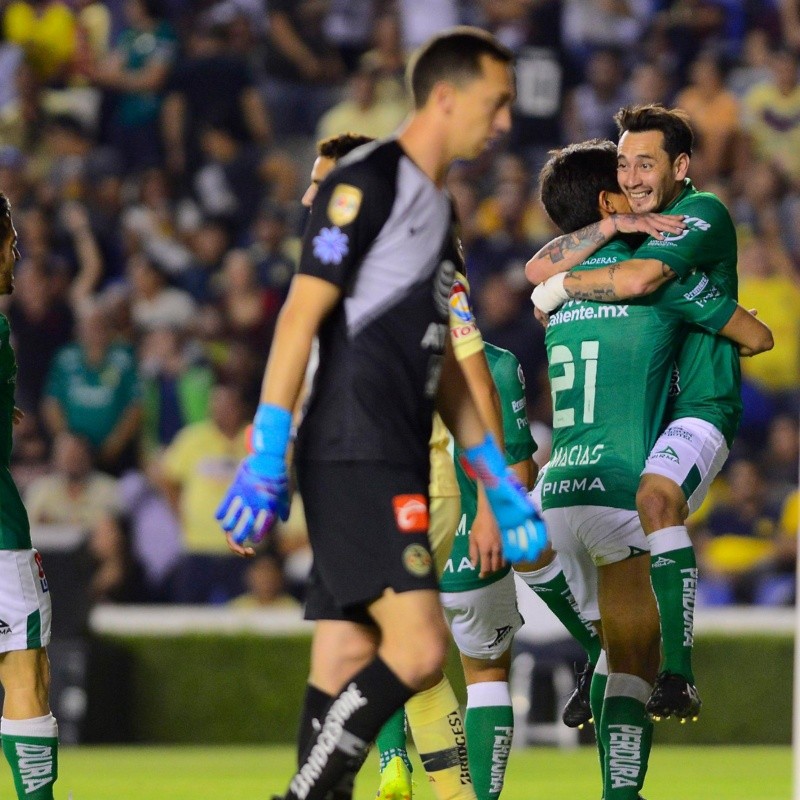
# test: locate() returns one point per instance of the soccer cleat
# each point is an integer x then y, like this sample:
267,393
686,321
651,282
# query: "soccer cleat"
395,781
673,695
578,711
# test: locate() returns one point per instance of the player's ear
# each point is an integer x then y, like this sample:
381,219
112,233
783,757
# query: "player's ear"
444,95
605,202
680,166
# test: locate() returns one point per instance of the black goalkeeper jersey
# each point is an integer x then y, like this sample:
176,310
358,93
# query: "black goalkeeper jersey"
381,231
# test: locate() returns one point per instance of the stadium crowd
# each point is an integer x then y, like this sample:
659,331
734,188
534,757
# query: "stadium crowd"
155,154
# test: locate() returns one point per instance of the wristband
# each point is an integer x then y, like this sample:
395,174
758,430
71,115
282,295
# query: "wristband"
548,296
271,428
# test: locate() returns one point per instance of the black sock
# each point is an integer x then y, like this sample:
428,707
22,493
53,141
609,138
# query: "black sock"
315,704
352,721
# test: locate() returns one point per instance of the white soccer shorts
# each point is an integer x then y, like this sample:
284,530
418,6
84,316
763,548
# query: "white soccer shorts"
691,453
483,621
588,537
25,611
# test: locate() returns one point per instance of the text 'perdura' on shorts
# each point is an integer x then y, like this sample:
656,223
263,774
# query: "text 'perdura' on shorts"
368,528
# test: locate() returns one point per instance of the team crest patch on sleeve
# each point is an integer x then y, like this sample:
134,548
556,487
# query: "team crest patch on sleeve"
417,560
331,245
344,204
459,302
410,513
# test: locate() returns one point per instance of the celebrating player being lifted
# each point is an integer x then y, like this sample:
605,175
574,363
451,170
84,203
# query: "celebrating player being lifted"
28,729
374,280
697,234
607,414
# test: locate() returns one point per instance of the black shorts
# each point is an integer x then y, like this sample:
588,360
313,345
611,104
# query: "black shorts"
368,527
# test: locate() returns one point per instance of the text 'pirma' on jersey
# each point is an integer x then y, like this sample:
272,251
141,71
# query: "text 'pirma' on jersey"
382,232
610,367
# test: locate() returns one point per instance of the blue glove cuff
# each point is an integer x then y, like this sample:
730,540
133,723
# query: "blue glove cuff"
271,428
487,461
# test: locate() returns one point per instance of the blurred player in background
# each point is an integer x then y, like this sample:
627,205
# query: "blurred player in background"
602,434
28,729
654,151
374,282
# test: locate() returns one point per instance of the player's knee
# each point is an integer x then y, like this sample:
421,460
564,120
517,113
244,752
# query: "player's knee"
658,506
418,663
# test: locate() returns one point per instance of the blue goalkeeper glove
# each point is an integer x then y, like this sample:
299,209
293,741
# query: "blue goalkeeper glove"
522,529
259,493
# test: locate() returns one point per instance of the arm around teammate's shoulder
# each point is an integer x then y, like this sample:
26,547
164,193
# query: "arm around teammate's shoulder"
750,333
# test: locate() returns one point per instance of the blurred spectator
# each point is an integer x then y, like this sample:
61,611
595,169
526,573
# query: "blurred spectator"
364,109
714,114
249,310
210,86
74,493
42,324
208,245
47,33
116,574
772,117
418,20
273,253
590,107
13,177
649,83
302,67
137,71
738,539
93,390
155,533
176,386
770,284
780,458
753,65
265,584
349,26
196,471
154,303
234,178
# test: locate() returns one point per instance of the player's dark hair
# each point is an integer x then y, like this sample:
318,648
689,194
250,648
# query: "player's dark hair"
453,55
5,218
336,147
672,122
572,179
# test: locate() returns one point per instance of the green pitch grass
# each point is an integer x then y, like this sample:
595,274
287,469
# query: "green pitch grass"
538,773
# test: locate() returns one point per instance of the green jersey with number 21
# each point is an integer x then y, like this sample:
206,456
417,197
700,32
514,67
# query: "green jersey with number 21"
610,367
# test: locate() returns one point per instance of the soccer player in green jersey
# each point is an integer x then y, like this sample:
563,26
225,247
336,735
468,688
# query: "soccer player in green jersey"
602,434
28,730
705,407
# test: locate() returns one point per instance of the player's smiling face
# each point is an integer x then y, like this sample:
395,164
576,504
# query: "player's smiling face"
481,109
9,255
647,175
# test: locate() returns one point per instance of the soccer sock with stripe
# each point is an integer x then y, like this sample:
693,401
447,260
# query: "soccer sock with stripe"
391,740
552,587
597,693
489,724
351,722
31,749
315,704
627,735
673,573
435,721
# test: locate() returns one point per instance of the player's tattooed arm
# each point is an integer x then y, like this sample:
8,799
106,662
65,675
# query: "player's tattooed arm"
569,250
622,281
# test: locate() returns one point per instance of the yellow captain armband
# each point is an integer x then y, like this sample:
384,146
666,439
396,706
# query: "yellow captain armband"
464,332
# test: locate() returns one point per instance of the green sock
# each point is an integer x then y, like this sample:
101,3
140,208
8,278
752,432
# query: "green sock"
489,725
391,739
31,749
673,573
552,587
597,693
626,732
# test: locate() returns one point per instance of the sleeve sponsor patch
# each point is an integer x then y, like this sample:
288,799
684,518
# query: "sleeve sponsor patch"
330,245
344,204
459,302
